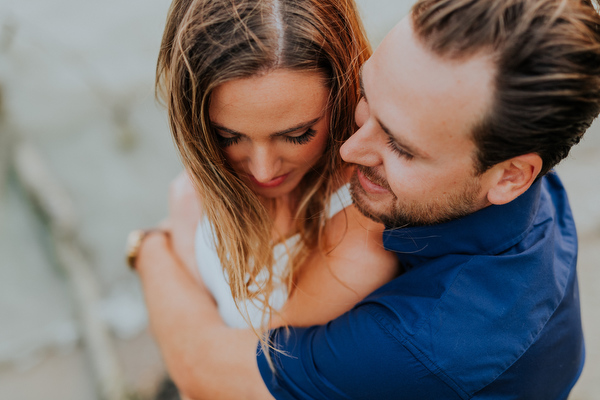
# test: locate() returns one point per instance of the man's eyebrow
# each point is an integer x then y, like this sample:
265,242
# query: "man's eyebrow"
298,127
402,143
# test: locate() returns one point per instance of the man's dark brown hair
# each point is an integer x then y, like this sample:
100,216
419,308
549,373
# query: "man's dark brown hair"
547,58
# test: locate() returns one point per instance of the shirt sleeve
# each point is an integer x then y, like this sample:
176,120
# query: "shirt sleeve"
355,356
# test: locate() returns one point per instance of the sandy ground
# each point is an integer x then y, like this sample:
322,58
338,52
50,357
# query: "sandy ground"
77,79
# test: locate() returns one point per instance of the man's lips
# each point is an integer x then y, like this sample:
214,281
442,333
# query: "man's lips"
369,185
272,183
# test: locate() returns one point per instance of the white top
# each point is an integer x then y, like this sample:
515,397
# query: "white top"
216,279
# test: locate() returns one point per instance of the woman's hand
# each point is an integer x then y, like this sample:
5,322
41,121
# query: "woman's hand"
183,218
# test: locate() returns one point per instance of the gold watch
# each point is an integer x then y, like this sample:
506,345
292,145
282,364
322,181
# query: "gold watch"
134,242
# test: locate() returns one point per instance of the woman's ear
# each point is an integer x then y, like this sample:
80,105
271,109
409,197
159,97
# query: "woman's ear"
513,177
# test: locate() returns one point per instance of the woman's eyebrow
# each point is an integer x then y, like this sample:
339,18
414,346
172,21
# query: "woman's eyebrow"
280,133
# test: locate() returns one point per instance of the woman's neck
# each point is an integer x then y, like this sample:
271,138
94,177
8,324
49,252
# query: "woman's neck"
283,209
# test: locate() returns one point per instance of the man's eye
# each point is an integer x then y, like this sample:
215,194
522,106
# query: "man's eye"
399,151
302,139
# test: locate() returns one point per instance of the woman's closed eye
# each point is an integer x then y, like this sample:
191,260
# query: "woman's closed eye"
303,138
227,139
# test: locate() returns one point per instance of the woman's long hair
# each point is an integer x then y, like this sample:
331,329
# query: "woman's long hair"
209,42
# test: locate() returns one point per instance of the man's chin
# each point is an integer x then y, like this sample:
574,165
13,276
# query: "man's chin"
386,217
390,222
358,194
365,211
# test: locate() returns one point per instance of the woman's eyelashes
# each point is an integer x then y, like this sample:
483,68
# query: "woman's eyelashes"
307,136
226,141
302,139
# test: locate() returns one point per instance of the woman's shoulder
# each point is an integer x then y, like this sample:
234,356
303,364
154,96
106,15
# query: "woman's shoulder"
350,227
355,251
353,265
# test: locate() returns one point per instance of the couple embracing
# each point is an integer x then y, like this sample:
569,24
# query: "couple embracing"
382,226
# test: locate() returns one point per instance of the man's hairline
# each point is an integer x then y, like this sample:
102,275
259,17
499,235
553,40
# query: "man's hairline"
485,53
475,126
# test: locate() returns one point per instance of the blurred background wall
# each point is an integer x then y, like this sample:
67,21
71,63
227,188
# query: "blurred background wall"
86,156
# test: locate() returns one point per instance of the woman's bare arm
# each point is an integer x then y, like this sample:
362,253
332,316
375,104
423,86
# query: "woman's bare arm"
203,355
330,284
206,359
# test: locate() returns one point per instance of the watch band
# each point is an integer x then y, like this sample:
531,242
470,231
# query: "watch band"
134,243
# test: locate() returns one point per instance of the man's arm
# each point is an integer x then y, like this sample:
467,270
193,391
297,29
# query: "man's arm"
206,359
360,355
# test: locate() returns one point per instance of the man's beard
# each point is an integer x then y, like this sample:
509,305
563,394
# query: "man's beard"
401,214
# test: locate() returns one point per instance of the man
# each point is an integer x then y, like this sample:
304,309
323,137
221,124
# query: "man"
467,106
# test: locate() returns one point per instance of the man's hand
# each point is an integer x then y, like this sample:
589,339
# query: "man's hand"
183,218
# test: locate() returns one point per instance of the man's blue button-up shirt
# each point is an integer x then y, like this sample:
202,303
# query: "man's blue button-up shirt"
488,308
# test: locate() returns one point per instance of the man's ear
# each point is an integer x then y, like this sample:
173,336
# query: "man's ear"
513,177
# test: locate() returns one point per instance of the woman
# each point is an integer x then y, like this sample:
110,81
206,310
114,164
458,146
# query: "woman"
260,95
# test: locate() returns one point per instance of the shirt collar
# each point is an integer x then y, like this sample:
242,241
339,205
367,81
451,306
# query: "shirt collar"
490,230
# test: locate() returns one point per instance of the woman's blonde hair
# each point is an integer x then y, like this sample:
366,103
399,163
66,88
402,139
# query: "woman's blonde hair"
209,42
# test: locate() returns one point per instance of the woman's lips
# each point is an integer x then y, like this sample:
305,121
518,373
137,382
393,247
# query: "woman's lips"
369,185
272,183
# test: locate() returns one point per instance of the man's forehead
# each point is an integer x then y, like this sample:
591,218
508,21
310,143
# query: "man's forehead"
411,89
403,62
389,61
396,38
400,48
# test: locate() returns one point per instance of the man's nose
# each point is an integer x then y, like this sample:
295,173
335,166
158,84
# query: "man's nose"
264,164
362,147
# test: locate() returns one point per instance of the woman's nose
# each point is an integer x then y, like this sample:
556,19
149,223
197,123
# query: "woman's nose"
264,164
